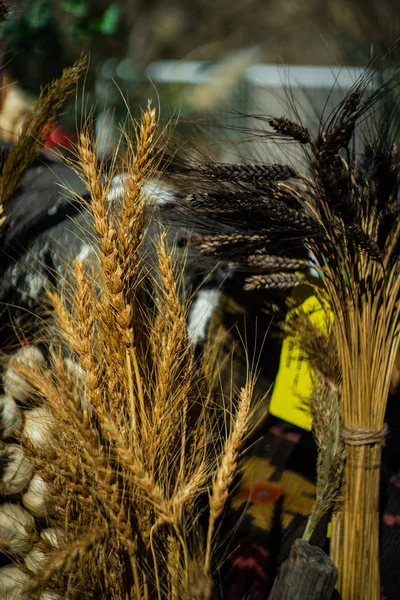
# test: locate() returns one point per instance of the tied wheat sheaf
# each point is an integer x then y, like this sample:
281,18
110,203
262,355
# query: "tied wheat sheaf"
122,435
344,215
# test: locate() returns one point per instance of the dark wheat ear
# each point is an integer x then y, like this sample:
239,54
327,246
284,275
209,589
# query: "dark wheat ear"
268,262
225,244
246,173
288,128
319,347
332,173
276,281
340,131
362,241
249,210
256,211
381,166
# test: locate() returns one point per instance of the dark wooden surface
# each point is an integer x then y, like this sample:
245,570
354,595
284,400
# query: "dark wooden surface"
308,574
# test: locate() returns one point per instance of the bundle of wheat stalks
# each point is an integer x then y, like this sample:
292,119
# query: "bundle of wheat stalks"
113,449
346,212
355,201
112,440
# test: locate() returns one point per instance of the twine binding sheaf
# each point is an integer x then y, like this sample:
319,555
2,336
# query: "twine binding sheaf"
360,436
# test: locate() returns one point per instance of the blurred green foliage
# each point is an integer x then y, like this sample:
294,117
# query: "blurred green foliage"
85,25
122,37
26,30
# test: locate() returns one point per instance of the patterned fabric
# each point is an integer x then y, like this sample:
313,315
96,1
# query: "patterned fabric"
270,506
274,496
390,505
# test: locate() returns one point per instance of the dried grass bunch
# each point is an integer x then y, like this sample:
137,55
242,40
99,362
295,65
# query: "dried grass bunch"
123,441
345,215
359,209
319,347
128,443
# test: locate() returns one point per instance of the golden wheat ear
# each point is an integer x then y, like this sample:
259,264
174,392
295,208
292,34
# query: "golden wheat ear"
33,131
117,423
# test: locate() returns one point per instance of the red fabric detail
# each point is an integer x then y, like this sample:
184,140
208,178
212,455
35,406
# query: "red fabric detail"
391,520
251,563
250,575
290,436
59,136
262,493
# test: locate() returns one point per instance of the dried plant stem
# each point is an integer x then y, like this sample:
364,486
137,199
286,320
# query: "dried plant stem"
367,342
173,563
44,112
131,218
136,578
228,464
330,463
352,542
155,561
132,358
65,558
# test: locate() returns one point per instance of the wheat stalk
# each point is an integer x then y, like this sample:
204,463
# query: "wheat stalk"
27,147
330,463
131,450
228,464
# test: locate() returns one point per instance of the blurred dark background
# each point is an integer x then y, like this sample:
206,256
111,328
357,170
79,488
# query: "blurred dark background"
125,39
45,35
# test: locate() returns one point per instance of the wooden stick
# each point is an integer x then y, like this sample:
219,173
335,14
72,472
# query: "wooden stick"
307,573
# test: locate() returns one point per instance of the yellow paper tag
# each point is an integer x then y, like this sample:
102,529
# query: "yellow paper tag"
292,393
329,530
